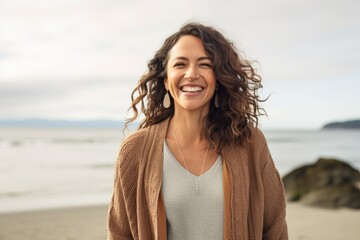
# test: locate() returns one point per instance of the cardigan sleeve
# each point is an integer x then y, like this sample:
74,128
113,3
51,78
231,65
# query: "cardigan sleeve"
275,226
122,214
118,222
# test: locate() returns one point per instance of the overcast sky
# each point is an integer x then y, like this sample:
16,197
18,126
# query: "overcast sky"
68,59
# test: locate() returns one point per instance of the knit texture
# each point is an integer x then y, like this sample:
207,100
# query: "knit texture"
256,203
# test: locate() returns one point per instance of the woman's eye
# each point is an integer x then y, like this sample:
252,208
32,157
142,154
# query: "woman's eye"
207,65
180,64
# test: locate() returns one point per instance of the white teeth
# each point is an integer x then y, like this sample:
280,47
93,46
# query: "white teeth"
191,89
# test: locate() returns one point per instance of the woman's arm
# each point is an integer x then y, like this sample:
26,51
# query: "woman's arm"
275,226
118,221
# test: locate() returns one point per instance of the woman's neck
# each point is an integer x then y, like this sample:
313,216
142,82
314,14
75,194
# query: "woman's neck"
188,127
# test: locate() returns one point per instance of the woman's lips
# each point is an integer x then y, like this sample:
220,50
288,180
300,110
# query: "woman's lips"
191,89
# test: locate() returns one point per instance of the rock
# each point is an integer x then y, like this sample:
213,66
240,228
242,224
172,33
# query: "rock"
327,183
334,197
354,124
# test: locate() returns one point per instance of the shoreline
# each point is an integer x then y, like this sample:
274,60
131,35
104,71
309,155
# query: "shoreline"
89,222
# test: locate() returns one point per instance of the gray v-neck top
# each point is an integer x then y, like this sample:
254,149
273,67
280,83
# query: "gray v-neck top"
191,215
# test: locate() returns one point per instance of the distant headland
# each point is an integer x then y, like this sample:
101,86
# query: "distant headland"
47,123
347,125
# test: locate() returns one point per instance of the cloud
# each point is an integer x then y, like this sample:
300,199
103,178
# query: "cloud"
83,38
63,58
85,99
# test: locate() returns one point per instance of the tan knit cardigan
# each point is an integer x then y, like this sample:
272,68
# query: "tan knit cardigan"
254,203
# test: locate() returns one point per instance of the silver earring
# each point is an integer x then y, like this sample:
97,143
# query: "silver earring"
217,103
166,101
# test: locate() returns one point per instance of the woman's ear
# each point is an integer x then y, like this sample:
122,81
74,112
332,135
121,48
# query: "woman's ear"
166,83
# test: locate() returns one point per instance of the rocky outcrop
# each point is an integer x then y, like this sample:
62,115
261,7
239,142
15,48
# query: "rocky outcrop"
346,125
327,183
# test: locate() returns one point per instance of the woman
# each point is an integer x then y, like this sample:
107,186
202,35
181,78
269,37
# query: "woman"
198,167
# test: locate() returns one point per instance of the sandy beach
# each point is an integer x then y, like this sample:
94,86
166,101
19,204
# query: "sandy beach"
81,223
317,223
89,223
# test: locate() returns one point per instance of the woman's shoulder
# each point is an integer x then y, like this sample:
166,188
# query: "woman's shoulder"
256,134
136,140
130,152
133,141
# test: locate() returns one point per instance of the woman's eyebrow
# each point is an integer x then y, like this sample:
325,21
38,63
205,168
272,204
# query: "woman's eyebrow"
204,58
181,58
186,59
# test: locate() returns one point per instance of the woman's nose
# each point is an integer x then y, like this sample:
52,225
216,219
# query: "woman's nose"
191,73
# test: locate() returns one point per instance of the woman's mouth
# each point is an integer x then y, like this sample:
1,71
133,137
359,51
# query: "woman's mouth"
191,89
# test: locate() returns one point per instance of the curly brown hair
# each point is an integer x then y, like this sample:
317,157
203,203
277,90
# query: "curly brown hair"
237,85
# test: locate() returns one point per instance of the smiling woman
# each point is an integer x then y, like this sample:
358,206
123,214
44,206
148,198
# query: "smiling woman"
198,167
190,77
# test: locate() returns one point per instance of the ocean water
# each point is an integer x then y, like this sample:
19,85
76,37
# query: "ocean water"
48,168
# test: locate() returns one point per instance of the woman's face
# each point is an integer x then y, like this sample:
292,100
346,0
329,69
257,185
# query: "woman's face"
190,77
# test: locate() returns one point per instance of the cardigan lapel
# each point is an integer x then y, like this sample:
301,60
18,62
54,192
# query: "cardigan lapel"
227,201
236,161
155,145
